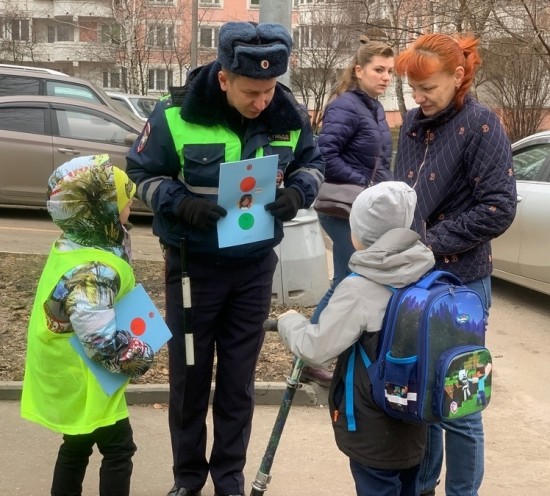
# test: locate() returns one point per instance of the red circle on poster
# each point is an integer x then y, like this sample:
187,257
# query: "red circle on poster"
248,183
137,326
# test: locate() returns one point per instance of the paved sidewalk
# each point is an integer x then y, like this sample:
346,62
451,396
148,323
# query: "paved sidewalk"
307,461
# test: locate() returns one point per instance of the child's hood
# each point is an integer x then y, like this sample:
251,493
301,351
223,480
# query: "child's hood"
82,201
380,208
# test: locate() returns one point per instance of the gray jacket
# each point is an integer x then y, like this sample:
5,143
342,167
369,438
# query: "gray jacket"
358,304
355,312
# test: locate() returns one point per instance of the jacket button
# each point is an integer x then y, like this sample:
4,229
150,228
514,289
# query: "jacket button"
205,159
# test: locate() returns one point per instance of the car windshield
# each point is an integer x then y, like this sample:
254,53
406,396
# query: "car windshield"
144,106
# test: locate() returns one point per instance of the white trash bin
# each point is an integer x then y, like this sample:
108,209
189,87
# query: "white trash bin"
301,276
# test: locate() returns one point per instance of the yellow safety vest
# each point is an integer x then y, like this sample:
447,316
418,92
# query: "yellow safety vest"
59,390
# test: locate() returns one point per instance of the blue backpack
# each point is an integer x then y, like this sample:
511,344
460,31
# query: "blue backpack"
432,364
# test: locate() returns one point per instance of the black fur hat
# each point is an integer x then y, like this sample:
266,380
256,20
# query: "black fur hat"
258,51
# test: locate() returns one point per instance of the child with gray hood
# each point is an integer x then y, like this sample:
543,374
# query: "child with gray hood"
385,453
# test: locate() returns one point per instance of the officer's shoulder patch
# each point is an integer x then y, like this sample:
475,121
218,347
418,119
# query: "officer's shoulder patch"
144,137
280,137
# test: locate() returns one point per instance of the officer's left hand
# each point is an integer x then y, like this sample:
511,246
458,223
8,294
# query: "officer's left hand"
286,204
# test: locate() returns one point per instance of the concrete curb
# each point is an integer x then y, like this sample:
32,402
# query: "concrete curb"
267,393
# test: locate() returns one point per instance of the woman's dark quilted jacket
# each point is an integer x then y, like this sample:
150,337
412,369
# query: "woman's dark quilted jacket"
460,164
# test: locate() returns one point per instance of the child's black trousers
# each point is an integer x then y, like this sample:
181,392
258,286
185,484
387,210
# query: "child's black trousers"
115,442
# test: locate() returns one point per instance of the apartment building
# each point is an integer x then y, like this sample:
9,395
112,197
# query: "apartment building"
140,46
144,46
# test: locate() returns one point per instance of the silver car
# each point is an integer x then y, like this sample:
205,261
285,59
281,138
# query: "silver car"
520,255
39,133
24,80
139,105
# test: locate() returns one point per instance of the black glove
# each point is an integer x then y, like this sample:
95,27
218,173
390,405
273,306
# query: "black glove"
286,204
200,213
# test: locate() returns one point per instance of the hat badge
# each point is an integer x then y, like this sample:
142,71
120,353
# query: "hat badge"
264,64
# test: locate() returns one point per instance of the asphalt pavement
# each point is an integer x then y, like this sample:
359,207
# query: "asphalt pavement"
306,453
307,461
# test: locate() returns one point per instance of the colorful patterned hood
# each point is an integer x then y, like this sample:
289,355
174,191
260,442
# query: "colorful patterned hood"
82,201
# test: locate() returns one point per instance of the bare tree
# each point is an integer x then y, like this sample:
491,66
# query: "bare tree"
180,54
517,83
131,18
16,41
402,21
136,39
323,46
526,22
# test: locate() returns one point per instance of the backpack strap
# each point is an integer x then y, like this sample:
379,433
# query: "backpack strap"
350,415
350,403
429,279
350,370
366,359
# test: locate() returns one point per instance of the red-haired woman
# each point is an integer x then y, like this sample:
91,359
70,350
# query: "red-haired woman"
455,153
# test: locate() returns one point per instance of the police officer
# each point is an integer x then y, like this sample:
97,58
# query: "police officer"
230,109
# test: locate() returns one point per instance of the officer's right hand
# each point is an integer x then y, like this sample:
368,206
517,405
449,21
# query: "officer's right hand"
200,213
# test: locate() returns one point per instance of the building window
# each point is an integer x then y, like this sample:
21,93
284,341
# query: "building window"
159,79
208,37
60,32
160,36
305,37
115,78
111,79
14,29
210,3
322,35
111,33
163,2
65,32
253,4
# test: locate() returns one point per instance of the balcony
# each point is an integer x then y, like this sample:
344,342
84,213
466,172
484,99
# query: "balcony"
63,51
73,9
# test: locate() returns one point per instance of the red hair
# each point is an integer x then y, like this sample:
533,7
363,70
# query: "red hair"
432,53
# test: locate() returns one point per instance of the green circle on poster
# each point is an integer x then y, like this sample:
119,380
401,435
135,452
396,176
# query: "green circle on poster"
246,221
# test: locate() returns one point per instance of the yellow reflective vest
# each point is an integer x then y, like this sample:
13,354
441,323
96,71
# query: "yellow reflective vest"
59,390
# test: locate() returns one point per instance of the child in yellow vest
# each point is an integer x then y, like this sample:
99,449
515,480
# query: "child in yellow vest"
86,272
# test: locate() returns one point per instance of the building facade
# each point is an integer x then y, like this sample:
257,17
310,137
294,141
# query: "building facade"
144,46
137,46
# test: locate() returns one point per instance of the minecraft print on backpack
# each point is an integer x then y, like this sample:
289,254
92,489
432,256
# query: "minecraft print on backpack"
432,361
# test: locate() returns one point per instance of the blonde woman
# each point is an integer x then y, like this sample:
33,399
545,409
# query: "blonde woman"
355,140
